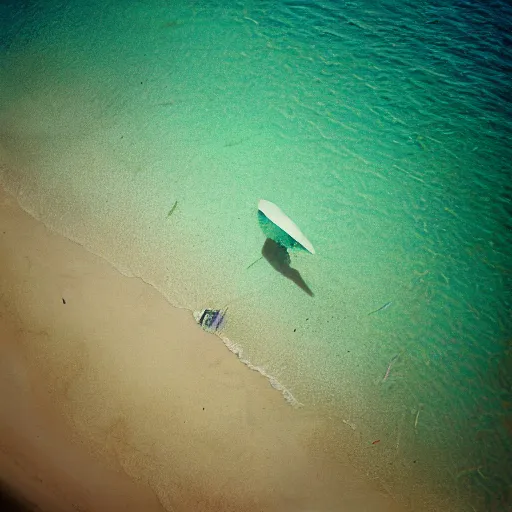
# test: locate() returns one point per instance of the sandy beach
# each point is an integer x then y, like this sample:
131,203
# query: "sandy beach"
111,399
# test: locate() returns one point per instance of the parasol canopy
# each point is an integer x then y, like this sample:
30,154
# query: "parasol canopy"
280,228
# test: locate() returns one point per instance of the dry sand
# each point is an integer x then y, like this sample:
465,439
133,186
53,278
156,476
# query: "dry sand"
111,399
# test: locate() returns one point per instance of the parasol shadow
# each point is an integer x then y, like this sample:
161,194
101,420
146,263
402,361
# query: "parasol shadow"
277,255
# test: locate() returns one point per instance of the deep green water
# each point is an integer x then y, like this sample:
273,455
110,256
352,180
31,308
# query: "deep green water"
382,129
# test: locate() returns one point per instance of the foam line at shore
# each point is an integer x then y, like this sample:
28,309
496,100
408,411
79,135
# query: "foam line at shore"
238,351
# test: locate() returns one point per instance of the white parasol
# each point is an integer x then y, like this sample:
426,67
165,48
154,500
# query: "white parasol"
288,233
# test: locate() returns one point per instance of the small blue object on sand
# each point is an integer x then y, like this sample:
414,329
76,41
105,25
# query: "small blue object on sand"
211,320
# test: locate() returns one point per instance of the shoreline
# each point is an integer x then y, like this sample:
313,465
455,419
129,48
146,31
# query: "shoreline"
115,400
238,351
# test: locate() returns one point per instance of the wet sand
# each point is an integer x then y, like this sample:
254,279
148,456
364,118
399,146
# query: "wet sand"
112,399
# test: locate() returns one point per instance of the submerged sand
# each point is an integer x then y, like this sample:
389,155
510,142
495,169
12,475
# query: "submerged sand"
112,399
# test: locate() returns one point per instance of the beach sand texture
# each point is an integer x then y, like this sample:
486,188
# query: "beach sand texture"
112,399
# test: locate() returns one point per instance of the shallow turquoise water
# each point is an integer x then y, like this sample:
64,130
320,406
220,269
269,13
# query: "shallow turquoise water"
382,130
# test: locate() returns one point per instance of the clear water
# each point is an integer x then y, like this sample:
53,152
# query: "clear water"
382,129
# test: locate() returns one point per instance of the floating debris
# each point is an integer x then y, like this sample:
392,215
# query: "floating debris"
388,371
171,211
382,308
254,263
420,408
350,424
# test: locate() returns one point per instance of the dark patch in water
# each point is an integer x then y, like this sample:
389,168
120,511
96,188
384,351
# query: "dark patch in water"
278,257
